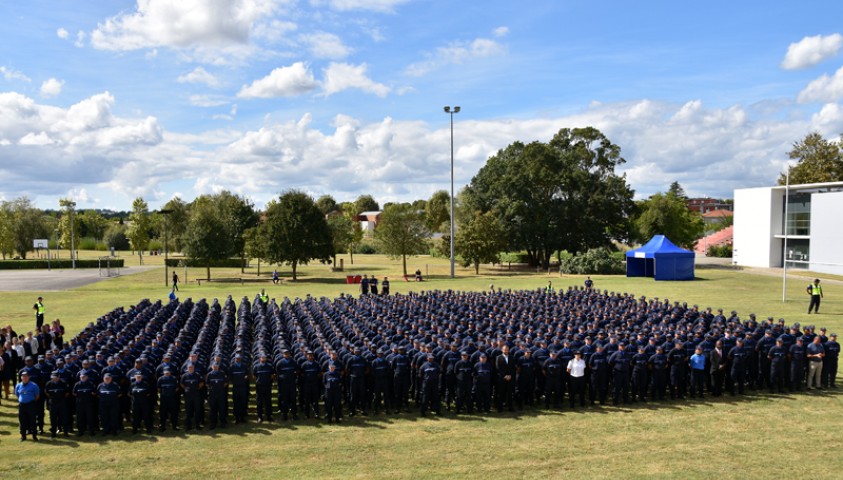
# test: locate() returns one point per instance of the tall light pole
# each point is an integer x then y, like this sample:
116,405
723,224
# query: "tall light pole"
451,112
784,248
71,206
165,212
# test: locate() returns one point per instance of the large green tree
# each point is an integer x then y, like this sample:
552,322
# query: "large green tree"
139,225
366,203
667,214
94,224
342,233
296,231
438,212
207,237
561,195
175,222
327,204
70,224
401,232
239,215
819,160
26,223
256,246
480,240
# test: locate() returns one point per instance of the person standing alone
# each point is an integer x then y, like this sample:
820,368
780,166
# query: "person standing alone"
175,281
39,313
816,293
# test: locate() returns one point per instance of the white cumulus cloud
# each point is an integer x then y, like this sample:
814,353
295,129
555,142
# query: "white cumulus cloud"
811,50
62,33
10,74
209,28
199,75
386,6
51,87
824,89
297,79
325,45
456,53
344,76
501,31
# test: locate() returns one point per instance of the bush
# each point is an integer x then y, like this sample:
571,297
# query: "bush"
597,261
115,237
365,248
515,257
720,251
222,263
63,263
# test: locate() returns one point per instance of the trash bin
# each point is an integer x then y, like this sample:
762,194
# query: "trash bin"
349,279
358,278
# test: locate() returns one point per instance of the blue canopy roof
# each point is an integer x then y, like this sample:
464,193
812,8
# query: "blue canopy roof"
659,245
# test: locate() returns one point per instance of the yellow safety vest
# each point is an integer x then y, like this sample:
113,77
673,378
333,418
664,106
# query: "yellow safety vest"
40,308
265,298
816,290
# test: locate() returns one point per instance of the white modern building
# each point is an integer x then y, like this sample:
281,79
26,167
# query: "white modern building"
802,223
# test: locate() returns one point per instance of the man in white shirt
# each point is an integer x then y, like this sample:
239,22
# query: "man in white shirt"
576,370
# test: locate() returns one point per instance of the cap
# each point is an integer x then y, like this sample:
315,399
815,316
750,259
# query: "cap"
108,375
54,375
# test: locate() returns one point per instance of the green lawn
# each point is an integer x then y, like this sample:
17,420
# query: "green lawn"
757,436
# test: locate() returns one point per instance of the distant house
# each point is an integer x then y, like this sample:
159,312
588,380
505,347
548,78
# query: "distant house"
704,205
369,221
714,217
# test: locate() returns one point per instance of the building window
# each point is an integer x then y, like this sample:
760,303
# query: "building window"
798,251
798,221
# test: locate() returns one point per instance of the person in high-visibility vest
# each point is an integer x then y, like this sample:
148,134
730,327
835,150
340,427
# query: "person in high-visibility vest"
816,293
39,313
264,297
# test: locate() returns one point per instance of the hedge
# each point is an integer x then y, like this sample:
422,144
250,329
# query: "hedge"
63,263
195,262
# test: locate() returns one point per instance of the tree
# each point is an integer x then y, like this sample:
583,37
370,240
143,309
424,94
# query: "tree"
342,233
366,203
238,215
668,215
296,231
94,224
26,224
561,195
326,204
176,222
819,160
480,241
349,210
115,237
255,244
402,232
69,230
677,191
139,224
438,212
7,234
206,237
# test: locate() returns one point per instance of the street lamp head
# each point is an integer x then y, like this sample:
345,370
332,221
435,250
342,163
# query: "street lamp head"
447,109
457,109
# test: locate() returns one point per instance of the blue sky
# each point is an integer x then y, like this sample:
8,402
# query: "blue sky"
106,101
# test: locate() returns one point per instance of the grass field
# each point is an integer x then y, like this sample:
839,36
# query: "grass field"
756,436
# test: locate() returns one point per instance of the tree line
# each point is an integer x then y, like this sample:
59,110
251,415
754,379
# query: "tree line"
540,198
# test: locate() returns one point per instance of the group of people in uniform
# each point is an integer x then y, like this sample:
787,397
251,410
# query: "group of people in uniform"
199,364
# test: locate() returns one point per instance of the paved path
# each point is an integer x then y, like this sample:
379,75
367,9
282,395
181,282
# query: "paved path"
56,279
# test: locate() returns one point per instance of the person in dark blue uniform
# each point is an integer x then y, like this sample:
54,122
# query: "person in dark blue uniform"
364,285
385,286
737,359
287,374
830,361
552,369
311,375
194,403
430,371
639,375
332,381
677,358
57,393
463,372
139,391
381,374
526,372
238,374
657,364
373,285
599,366
264,374
401,371
777,356
619,361
168,390
85,392
108,395
796,355
357,369
217,383
483,384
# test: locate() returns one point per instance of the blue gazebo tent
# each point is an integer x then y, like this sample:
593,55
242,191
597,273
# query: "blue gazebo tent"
661,259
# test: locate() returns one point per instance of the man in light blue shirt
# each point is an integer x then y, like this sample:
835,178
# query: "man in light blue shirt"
697,362
27,393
